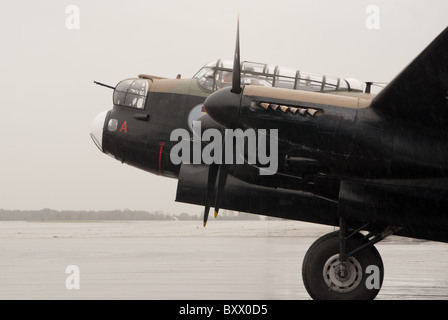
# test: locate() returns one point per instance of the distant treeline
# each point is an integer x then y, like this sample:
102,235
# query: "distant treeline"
49,214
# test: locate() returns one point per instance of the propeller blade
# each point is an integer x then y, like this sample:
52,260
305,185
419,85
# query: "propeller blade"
222,179
206,210
236,80
212,175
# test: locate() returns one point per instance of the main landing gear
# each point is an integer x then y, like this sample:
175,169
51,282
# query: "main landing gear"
344,266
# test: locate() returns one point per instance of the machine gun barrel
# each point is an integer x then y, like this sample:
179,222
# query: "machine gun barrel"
104,85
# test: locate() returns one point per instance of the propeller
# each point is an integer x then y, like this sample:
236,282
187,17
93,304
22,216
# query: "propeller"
236,79
219,172
216,172
222,179
212,175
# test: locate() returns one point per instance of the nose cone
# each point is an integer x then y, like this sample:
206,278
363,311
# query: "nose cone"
224,107
96,131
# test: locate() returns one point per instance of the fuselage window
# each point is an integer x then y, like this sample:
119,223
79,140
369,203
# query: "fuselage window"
131,93
112,125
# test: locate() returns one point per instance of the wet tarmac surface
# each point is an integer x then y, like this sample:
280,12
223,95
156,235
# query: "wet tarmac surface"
173,260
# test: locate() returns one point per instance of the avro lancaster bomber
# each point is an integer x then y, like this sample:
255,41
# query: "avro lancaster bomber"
372,165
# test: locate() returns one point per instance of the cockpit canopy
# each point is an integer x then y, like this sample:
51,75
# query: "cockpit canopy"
218,74
131,93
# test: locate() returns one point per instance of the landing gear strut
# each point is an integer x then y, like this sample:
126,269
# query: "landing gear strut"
340,265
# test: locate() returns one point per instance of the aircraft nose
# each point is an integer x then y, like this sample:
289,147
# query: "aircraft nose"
96,131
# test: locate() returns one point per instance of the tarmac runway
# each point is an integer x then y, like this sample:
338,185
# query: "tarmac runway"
172,260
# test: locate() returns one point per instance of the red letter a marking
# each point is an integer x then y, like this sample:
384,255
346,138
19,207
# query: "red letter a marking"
124,127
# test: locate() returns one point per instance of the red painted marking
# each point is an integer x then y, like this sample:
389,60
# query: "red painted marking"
124,127
161,144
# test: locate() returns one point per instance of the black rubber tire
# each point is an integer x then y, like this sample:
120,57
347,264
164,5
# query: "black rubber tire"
316,259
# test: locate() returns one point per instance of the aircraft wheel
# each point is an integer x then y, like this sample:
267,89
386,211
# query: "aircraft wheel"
321,270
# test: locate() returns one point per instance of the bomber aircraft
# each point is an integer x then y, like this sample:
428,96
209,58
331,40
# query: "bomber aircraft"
279,142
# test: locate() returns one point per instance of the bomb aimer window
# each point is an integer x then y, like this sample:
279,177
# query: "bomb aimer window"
131,93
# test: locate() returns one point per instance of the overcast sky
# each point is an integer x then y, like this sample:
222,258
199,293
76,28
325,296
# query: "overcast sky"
48,99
